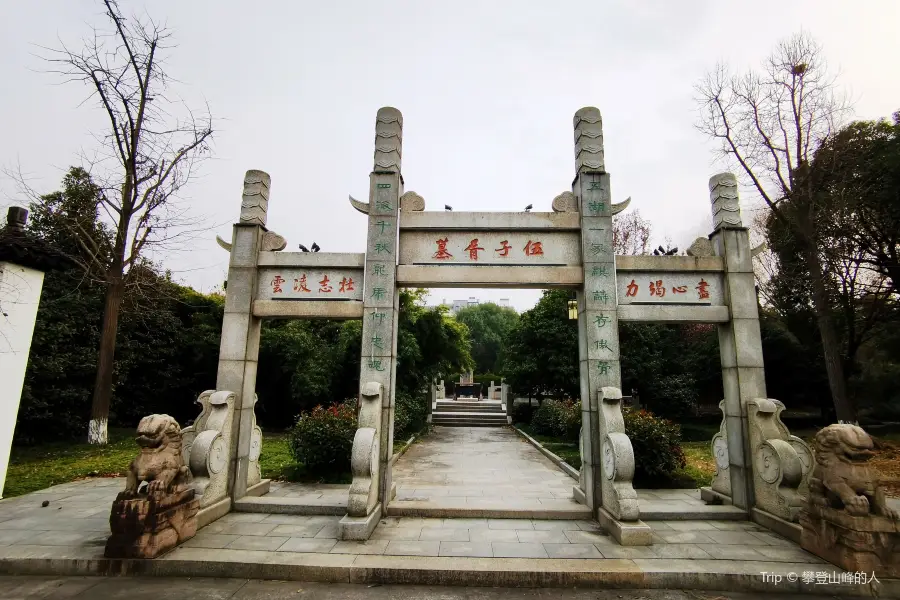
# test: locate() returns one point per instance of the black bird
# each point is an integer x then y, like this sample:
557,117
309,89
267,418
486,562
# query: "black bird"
529,207
448,207
303,248
315,247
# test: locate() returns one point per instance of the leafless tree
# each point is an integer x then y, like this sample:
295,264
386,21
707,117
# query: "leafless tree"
769,123
631,234
147,155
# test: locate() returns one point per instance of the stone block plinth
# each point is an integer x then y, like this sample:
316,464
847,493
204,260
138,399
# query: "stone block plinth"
868,544
150,525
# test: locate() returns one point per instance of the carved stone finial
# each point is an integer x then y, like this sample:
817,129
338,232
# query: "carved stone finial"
565,202
726,207
255,201
701,247
148,520
589,141
272,242
846,519
388,140
411,201
719,490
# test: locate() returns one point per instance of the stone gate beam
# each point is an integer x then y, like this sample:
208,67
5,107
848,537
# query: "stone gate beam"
239,347
740,343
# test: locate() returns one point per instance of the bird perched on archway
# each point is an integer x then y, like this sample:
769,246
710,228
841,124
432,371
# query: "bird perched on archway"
448,207
529,207
315,247
303,248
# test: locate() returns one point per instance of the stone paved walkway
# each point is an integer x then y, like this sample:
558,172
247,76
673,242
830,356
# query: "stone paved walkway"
480,468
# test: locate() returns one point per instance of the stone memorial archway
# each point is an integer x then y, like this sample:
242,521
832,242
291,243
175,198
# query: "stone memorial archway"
571,247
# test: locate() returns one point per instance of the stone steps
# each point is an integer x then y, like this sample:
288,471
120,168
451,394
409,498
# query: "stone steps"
462,419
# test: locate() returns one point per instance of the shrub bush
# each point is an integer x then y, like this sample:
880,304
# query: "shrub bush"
558,418
409,413
522,413
322,439
656,443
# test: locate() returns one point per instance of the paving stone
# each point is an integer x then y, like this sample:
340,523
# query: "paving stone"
734,552
572,551
209,540
396,533
744,538
681,537
248,528
552,537
299,520
681,551
444,535
236,517
541,525
307,530
493,535
510,524
659,525
455,523
329,532
258,542
771,538
64,538
629,552
518,550
474,549
584,537
588,526
307,545
690,525
410,548
11,536
366,547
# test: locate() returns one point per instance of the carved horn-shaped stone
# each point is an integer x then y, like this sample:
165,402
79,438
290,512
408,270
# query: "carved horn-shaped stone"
223,243
362,207
619,207
759,250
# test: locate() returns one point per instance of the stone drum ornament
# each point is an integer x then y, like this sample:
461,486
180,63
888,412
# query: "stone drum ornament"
157,510
846,519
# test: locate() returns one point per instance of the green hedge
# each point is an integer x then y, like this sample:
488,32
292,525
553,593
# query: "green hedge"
558,418
656,443
322,439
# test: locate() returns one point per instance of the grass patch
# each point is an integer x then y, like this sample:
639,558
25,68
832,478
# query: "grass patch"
33,468
37,467
565,449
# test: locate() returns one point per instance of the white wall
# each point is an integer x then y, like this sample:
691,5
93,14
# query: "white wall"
20,293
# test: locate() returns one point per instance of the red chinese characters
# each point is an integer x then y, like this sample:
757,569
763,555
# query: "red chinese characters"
442,253
681,289
533,248
504,248
346,285
325,285
276,284
657,288
702,290
473,249
632,289
300,284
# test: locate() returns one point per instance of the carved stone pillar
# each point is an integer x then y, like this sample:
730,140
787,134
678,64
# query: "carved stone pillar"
381,301
239,347
740,344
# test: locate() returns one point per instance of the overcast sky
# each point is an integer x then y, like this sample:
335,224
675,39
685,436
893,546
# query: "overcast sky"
487,90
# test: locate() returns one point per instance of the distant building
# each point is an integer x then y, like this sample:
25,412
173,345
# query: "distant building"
457,305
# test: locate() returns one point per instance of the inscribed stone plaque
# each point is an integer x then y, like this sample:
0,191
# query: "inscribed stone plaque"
699,288
309,284
509,248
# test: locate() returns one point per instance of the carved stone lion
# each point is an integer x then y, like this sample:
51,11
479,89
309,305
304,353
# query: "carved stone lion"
842,479
160,462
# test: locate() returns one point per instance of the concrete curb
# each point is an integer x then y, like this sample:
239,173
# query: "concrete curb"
560,463
482,572
408,443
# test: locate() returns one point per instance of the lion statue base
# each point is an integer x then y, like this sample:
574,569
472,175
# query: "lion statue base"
157,510
846,519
